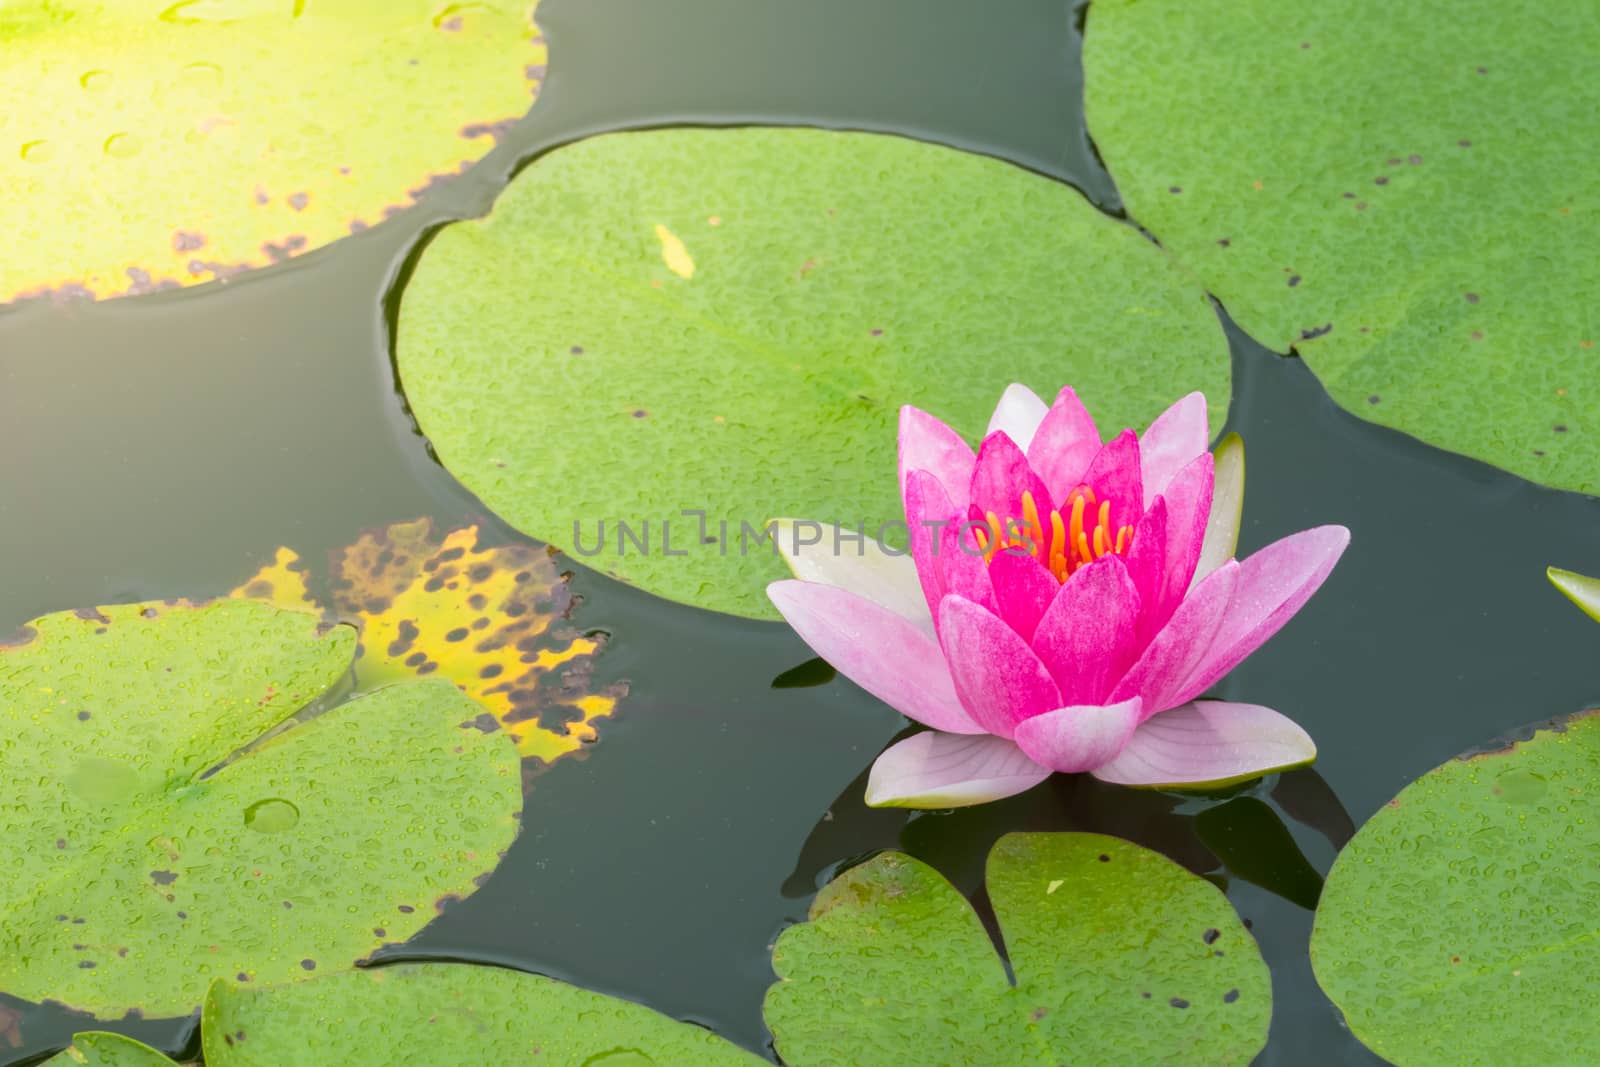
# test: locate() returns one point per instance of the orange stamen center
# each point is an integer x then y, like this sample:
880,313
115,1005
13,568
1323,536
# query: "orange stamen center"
1076,533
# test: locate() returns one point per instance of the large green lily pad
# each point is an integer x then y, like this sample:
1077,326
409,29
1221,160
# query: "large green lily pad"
1120,956
1403,192
146,144
1459,925
728,321
97,1048
134,877
444,1015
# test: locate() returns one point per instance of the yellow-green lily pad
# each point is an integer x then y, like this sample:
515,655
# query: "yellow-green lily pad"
1404,193
693,332
494,619
148,850
148,144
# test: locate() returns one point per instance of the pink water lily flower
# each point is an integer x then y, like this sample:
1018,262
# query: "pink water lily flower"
1064,603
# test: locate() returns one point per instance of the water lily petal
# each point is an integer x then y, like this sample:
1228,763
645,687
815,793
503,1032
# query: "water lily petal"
1001,477
1147,561
1169,660
997,676
1274,583
1114,475
1023,589
1070,740
1209,743
1174,439
928,511
1018,414
938,770
1188,501
963,570
867,568
1581,590
883,653
1086,638
1227,508
926,444
1064,444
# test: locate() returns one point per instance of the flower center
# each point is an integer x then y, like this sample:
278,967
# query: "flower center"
1079,532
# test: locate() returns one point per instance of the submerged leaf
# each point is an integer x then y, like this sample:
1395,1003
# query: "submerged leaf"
1459,925
147,144
447,1015
696,331
1120,956
137,870
490,618
1402,192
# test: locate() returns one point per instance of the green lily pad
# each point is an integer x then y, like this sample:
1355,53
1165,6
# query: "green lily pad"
135,876
1120,956
96,1048
147,144
728,321
443,1015
1458,926
1401,192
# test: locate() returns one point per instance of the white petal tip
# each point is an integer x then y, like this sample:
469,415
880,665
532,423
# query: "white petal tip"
939,770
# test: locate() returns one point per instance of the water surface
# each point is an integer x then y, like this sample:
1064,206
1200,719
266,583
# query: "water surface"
166,445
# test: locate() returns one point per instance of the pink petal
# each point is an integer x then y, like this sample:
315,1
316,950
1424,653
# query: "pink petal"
1174,439
928,512
1023,589
1086,637
1070,740
963,570
1172,656
878,650
926,444
1209,743
998,678
1064,444
866,568
999,480
936,770
1147,562
1188,501
1017,415
1273,584
1113,474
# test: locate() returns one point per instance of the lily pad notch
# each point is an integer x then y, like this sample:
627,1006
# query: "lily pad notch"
694,332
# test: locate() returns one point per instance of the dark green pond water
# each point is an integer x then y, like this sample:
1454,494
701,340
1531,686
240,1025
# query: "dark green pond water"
165,445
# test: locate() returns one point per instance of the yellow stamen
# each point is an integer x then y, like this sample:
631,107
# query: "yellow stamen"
1124,535
1058,538
1083,549
1104,519
1075,527
1102,543
995,540
1030,516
